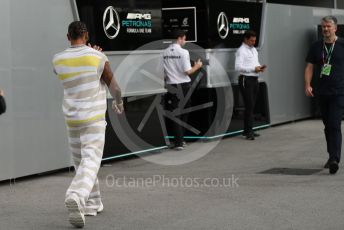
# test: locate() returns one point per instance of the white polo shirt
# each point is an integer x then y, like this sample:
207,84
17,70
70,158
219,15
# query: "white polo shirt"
246,60
176,63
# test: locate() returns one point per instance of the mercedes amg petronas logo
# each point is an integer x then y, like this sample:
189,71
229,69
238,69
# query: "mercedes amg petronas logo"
111,22
222,25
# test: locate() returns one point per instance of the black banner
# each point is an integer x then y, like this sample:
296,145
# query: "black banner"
228,21
180,18
118,25
220,23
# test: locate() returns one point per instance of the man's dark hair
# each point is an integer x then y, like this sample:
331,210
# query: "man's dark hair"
249,33
77,29
178,34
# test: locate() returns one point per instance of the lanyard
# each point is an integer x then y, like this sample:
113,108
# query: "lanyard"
328,52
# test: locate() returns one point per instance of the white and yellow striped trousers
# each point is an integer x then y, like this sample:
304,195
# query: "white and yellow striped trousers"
87,144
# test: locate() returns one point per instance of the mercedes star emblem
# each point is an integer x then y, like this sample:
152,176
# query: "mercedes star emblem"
222,25
111,22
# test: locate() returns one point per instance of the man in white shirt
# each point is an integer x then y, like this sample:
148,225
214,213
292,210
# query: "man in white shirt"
247,64
177,68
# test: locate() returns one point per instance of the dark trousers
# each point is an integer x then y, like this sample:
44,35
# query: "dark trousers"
331,108
249,88
174,100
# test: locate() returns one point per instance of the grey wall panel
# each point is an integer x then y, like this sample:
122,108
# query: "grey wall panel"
6,134
289,31
5,35
6,131
33,135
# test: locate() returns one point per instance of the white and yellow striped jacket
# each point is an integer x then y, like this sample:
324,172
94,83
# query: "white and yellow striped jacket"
80,69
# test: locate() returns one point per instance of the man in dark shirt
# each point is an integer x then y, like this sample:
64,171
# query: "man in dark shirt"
2,102
327,54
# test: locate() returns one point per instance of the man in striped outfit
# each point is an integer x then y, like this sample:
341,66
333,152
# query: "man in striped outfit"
84,71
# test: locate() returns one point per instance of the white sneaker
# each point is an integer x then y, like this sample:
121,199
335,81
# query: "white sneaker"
76,217
93,212
101,207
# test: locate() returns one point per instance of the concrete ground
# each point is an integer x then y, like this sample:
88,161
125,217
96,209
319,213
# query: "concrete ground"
222,190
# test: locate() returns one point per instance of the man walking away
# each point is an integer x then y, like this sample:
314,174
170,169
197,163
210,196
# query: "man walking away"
84,71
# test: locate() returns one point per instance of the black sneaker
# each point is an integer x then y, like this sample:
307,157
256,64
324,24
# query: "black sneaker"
333,166
327,165
250,137
173,145
254,134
